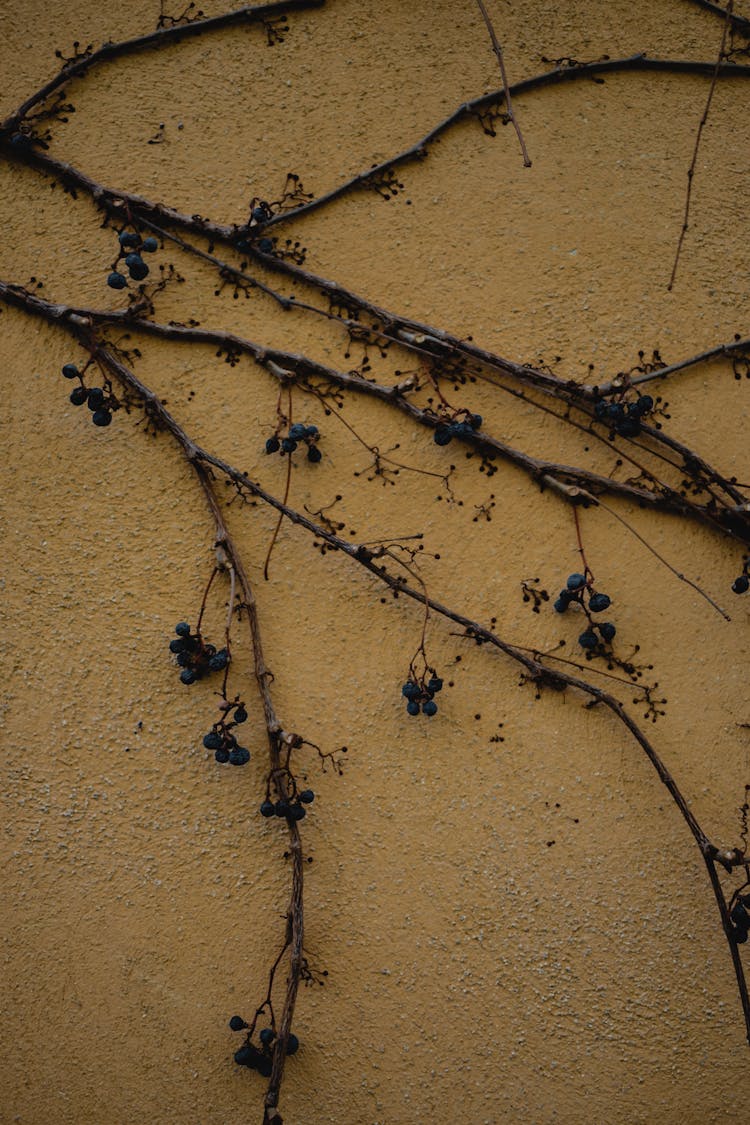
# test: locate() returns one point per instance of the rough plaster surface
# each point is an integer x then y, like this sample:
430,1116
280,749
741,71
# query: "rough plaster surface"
516,931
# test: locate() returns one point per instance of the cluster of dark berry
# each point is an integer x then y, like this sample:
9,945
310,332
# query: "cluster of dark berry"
575,589
260,1058
131,248
459,427
419,695
624,417
741,919
100,403
194,656
222,741
309,435
290,810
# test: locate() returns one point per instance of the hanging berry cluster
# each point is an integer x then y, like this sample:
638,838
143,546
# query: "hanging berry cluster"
463,424
577,589
221,738
419,694
298,433
101,403
131,248
623,417
196,658
291,809
259,1058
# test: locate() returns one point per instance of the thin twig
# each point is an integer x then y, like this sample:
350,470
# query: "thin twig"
694,161
506,88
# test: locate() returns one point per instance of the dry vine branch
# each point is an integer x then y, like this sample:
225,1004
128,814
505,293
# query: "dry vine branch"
727,512
75,68
536,671
277,738
573,484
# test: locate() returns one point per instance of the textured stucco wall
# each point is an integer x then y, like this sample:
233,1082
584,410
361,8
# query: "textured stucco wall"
477,972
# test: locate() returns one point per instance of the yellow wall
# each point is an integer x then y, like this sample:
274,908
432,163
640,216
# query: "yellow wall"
477,973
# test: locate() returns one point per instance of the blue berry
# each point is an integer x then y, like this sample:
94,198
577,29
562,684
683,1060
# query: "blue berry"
475,421
183,659
265,245
212,740
314,454
95,398
576,581
272,445
599,602
298,431
183,629
741,584
601,410
561,604
292,1045
607,631
239,756
237,1023
79,396
222,756
429,708
246,1056
260,214
443,435
177,645
296,812
588,639
188,676
281,808
645,404
263,1065
137,268
311,431
219,660
101,417
412,707
288,445
739,915
128,238
117,280
307,796
267,1036
240,715
70,371
435,685
150,245
268,809
410,690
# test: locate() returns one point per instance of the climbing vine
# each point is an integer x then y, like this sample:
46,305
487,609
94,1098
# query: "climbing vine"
425,378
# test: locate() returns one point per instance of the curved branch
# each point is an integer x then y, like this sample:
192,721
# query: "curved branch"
77,67
571,483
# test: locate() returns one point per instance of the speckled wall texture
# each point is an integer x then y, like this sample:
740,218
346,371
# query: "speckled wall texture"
516,923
